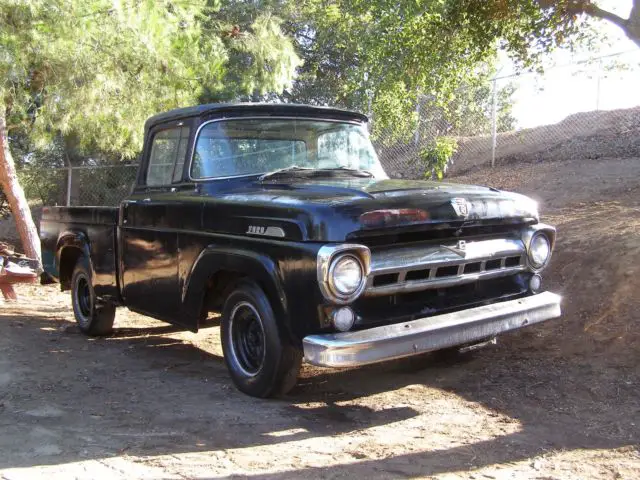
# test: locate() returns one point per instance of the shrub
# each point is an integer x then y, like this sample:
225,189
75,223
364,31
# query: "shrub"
435,157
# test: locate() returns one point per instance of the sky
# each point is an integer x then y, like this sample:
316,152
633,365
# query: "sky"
569,87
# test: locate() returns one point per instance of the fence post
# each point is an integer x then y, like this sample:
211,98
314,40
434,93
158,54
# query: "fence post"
598,85
494,121
369,93
69,178
416,135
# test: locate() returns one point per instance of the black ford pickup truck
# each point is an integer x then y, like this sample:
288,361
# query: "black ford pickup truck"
281,218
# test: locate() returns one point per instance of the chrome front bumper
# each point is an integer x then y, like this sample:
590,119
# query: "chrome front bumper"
428,334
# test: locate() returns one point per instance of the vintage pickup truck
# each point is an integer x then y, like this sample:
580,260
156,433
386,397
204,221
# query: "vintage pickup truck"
281,218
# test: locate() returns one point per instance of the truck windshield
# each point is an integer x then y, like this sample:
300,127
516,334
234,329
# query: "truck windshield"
238,147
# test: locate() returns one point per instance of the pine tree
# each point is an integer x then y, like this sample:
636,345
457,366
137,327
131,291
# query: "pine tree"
97,69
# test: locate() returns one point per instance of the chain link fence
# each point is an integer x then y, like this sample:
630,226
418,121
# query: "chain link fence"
76,186
581,109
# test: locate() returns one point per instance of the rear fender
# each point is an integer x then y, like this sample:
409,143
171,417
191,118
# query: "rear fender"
70,240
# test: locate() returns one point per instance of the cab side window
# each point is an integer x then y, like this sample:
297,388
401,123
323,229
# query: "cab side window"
166,160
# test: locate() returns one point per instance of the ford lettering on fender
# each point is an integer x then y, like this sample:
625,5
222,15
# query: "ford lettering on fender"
281,219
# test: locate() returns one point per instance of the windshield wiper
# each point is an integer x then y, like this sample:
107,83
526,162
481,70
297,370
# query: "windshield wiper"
316,171
356,171
292,168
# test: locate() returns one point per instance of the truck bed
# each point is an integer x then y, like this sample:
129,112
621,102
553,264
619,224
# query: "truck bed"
88,231
81,215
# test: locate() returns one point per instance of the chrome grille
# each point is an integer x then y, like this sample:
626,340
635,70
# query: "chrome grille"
411,268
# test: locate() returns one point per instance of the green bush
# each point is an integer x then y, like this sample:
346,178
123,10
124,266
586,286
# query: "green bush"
43,185
435,157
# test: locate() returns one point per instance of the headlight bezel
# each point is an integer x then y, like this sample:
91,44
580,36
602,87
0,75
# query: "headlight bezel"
328,257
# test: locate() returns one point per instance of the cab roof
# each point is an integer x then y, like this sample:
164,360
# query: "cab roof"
258,109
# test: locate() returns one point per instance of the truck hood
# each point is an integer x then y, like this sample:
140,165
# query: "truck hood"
337,209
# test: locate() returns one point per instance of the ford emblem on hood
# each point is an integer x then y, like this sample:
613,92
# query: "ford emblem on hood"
461,206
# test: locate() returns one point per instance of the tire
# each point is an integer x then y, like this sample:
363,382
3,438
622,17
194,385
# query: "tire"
261,362
93,318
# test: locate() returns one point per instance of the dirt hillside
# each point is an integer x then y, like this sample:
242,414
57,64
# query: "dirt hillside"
587,135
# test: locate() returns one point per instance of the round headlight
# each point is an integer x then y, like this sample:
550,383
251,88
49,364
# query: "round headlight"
539,250
346,275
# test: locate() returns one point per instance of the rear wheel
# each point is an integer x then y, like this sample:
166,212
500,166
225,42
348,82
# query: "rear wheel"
261,362
92,317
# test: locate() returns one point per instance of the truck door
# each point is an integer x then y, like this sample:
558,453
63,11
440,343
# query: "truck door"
149,221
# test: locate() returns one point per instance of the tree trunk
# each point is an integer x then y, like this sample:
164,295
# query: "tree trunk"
633,25
15,196
630,26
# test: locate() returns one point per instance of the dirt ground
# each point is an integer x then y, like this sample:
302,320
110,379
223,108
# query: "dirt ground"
557,401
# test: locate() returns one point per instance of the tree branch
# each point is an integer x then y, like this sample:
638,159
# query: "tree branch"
596,11
630,26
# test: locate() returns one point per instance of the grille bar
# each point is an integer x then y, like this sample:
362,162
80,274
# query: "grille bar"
410,269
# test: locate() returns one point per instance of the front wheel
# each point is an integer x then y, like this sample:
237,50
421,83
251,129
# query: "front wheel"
261,362
92,318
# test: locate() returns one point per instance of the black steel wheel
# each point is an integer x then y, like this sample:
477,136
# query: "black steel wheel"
260,359
247,335
82,294
92,317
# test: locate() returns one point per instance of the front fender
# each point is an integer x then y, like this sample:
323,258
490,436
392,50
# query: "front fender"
214,259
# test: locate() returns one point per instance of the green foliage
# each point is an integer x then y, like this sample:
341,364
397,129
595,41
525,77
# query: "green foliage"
379,57
435,157
93,70
394,115
43,186
261,60
469,111
35,173
384,53
96,69
506,122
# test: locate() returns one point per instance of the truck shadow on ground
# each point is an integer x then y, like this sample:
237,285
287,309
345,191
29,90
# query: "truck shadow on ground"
147,393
